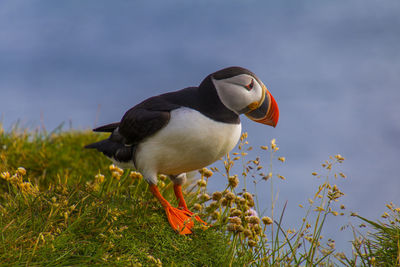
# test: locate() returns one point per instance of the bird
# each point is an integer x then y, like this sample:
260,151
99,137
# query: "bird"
186,130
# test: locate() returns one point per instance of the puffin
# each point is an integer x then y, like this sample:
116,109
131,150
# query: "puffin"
187,130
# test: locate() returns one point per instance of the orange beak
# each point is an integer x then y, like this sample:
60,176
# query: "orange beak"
268,111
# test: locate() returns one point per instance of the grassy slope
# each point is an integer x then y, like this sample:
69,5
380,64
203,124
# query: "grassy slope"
74,218
69,222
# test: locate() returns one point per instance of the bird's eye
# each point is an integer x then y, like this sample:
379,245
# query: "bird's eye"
250,85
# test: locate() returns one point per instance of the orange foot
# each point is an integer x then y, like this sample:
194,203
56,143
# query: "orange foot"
181,219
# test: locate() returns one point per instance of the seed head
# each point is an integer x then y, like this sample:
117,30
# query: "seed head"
236,212
266,177
267,220
197,206
21,171
215,215
135,175
205,197
116,175
235,220
216,195
248,196
233,181
5,175
254,220
247,233
230,196
206,172
252,243
202,183
99,178
257,229
162,177
339,158
281,177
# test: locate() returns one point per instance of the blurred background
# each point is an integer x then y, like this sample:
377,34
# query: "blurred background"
332,66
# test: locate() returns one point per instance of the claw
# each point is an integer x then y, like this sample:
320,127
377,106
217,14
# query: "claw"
180,219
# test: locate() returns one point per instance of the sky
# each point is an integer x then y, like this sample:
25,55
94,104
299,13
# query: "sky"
332,66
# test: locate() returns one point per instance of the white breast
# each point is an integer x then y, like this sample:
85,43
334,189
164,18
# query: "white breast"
190,141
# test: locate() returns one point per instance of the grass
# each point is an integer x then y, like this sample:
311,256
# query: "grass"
64,205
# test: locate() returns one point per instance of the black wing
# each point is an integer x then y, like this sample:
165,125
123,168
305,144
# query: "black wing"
145,119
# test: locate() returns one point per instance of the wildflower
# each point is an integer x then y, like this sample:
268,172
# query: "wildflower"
235,212
216,195
213,205
205,197
235,220
301,206
340,255
254,220
251,212
266,177
135,175
319,209
162,177
267,220
21,171
353,214
197,206
342,175
224,202
233,181
235,228
116,175
339,158
99,178
240,201
282,159
229,196
281,177
114,168
264,147
5,175
215,215
342,207
201,183
252,243
385,215
244,136
290,231
273,145
206,172
257,229
314,173
247,233
248,196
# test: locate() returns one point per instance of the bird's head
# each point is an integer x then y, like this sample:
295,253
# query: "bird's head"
243,92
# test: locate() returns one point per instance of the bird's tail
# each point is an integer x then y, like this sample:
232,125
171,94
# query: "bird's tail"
113,150
109,128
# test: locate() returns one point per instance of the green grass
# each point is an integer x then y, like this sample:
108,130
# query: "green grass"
67,206
72,220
